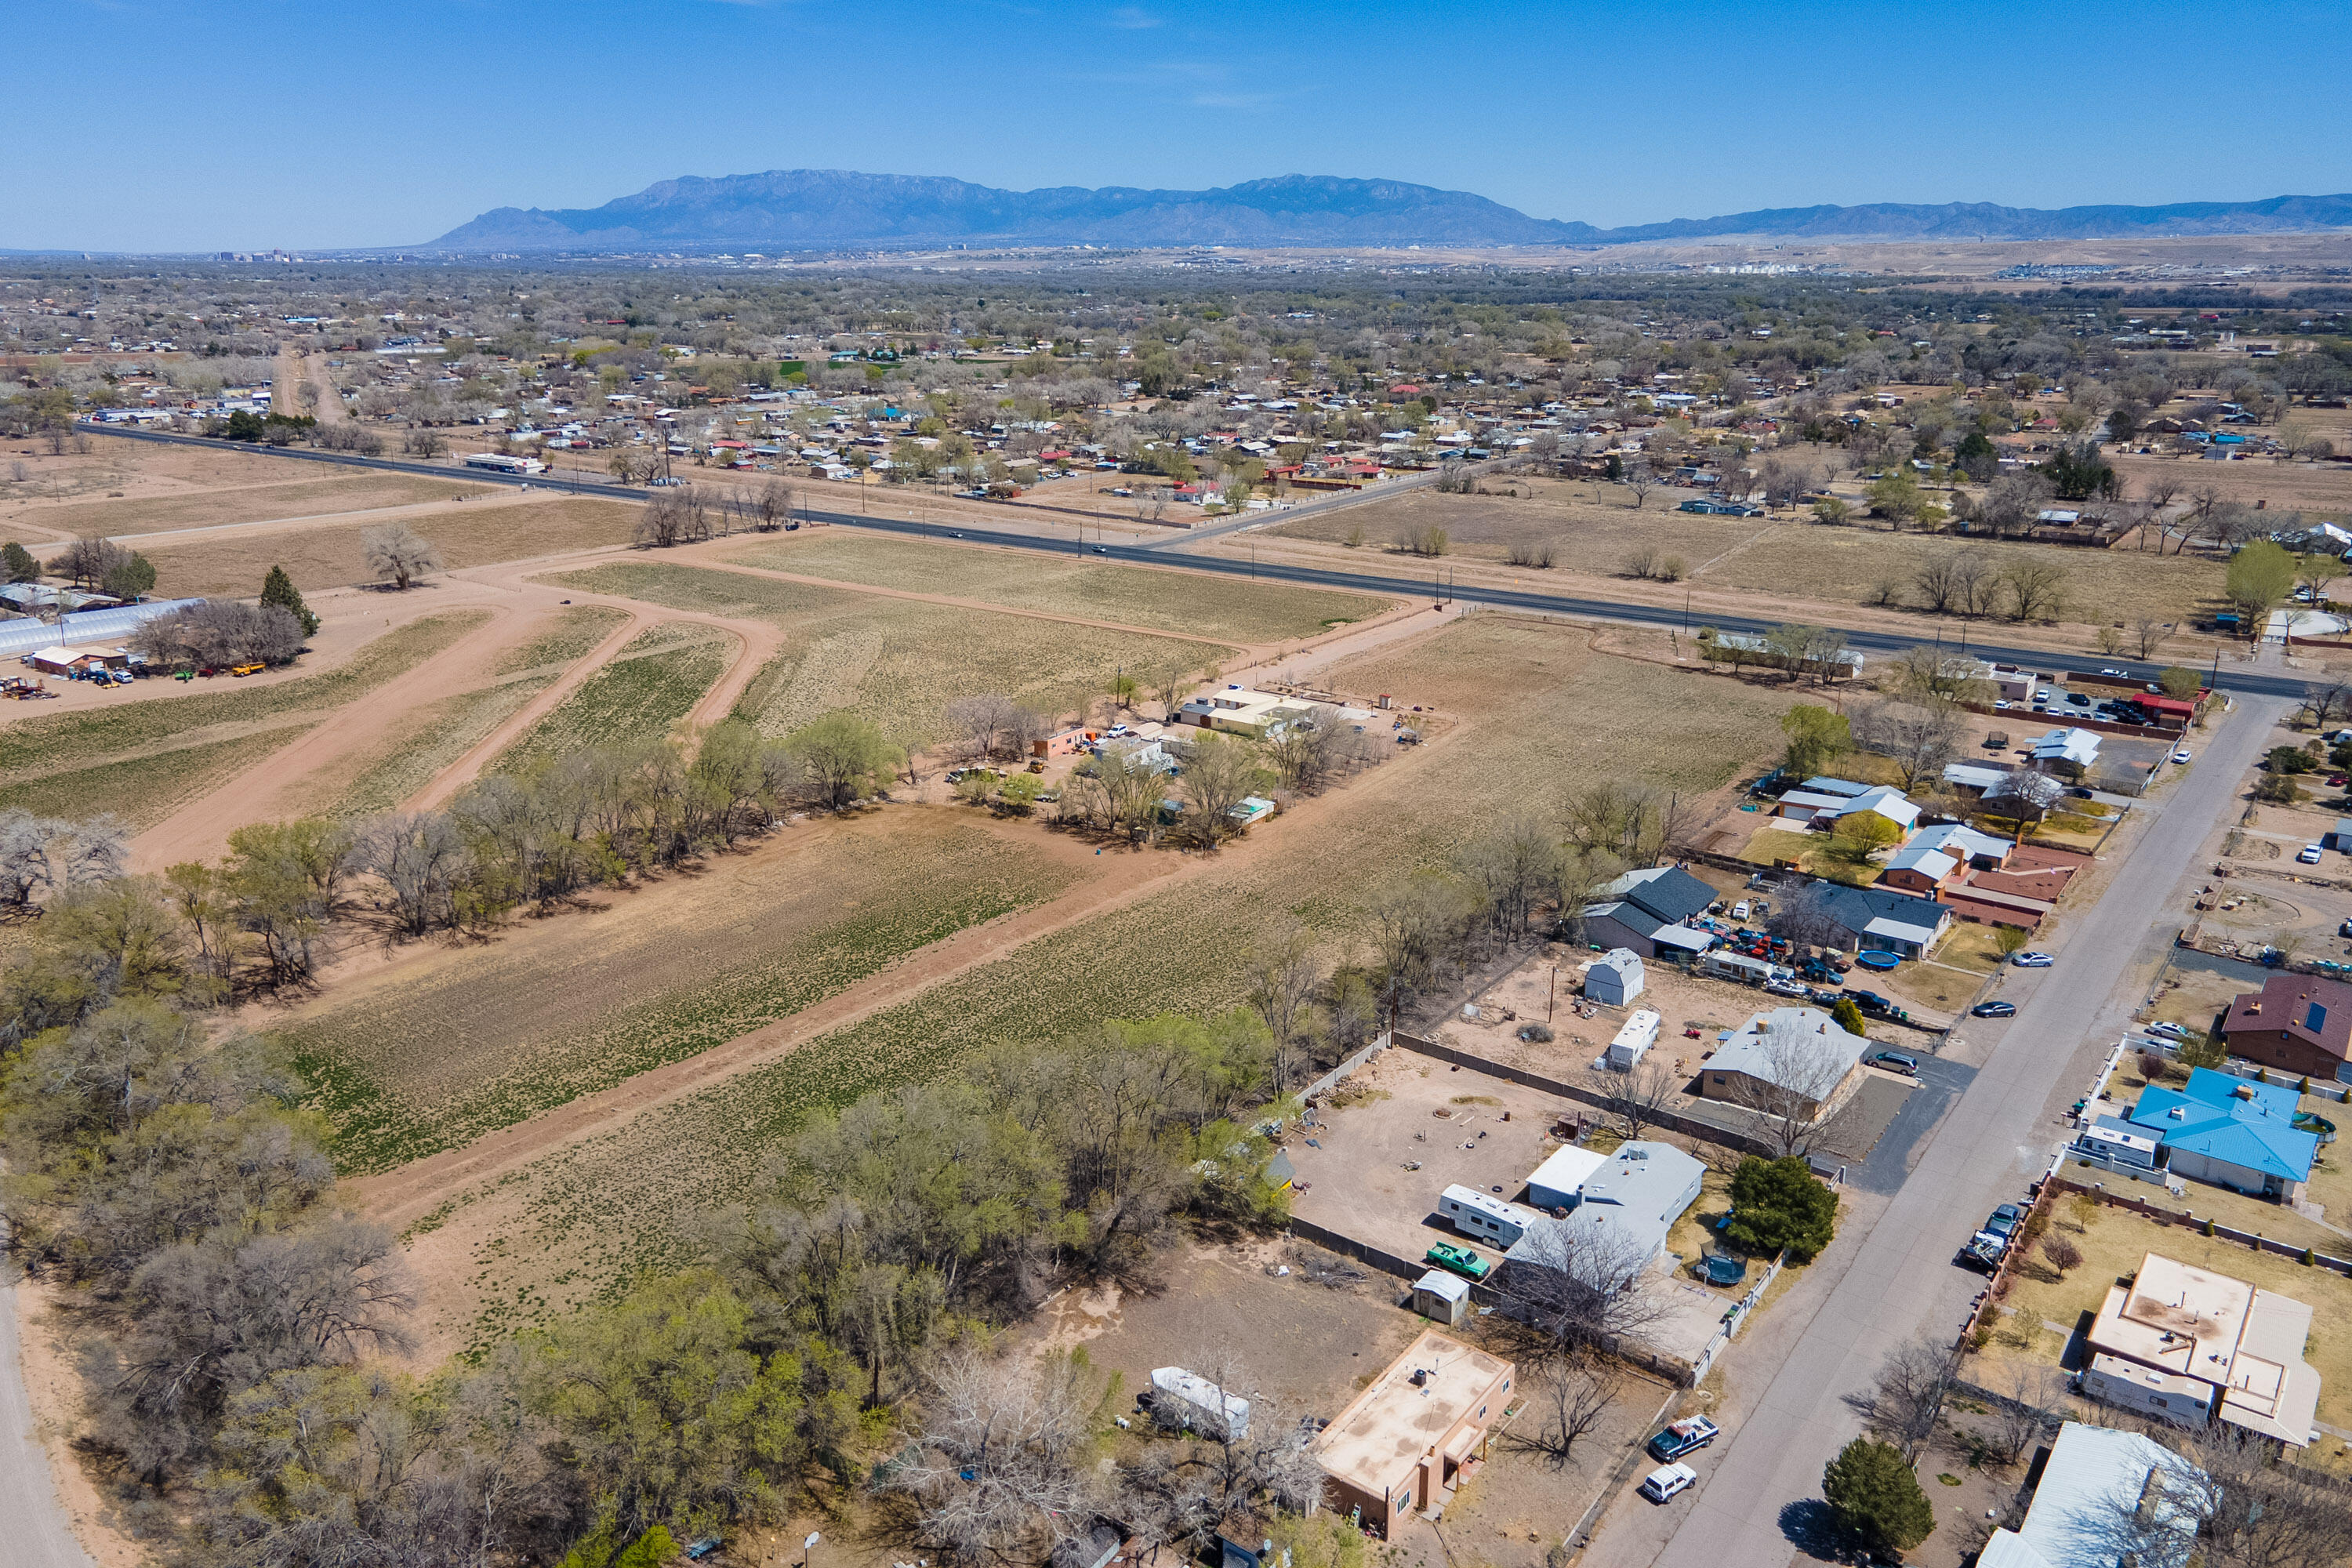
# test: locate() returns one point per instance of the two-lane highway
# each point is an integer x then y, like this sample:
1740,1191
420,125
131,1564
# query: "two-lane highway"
1573,605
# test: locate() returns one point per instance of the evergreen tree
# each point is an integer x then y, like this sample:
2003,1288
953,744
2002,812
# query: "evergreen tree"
18,563
1876,1497
278,589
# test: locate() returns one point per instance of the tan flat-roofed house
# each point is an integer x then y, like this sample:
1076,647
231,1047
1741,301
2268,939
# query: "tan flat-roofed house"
2185,1344
1418,1432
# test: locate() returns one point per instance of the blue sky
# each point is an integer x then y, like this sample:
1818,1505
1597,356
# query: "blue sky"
170,124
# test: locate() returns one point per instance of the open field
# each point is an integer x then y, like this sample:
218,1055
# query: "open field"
2323,490
1540,715
2049,1312
143,790
1238,612
328,554
430,739
1593,531
563,635
641,694
248,504
448,1046
896,661
141,759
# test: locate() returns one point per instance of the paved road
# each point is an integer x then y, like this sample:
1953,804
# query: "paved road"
1899,1277
2262,682
33,1529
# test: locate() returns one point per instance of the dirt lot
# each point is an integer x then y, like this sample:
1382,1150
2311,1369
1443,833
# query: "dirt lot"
2319,490
2044,1316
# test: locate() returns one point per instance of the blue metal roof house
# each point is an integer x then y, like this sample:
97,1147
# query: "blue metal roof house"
2231,1133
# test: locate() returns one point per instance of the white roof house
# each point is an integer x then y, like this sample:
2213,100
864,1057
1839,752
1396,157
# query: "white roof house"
2079,747
1963,842
2096,1478
1887,802
1926,860
1558,1182
1830,1053
1631,1201
1973,775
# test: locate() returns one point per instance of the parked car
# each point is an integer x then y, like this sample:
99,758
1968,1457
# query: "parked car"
1739,911
1661,1484
1870,1002
1994,1010
1683,1437
2004,1220
2165,1029
1789,988
2030,959
1457,1259
1894,1061
2309,856
2180,755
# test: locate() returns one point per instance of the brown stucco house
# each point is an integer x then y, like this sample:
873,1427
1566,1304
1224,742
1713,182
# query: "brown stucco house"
2295,1023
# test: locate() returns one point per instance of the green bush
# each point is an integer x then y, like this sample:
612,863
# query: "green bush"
1877,1498
1778,1203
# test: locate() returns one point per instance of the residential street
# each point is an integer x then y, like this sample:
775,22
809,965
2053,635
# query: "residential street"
33,1528
1897,1277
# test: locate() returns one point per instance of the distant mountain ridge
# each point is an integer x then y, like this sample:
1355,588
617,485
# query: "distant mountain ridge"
831,209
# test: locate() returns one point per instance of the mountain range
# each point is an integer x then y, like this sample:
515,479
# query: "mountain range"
833,209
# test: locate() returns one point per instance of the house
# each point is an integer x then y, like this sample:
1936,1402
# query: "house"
1638,1034
1630,1202
2093,1479
1256,714
1062,743
1614,978
2185,1345
1639,909
1481,1216
2079,748
1415,1434
1558,1182
1793,1056
1818,802
1940,858
1883,918
1708,506
2296,1023
1973,778
2230,1133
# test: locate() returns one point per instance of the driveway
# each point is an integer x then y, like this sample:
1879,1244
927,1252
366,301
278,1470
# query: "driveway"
1895,1278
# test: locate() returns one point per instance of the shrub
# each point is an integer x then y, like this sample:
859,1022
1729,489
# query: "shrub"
2276,789
1877,1498
1780,1204
1847,1016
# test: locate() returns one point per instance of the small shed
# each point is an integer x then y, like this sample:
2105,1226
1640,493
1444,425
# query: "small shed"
1442,1298
2340,835
1615,978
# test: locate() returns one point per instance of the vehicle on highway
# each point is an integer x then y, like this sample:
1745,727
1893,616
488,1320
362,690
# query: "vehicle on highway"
2165,1029
2182,756
1661,1484
1457,1259
1102,550
2030,959
1894,1061
1683,1437
2309,856
1994,1010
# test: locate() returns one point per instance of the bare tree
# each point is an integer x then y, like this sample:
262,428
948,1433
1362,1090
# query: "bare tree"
1571,1398
2037,589
1938,581
2149,633
1641,481
1185,1491
2033,1394
421,857
1976,581
1004,1459
1283,979
1579,1287
1633,822
1218,774
1906,1398
773,507
1515,864
399,553
979,725
1634,1099
2228,1500
1919,739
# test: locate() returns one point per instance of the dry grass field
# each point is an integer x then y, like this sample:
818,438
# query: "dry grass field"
1786,557
1132,595
250,503
2323,490
1538,715
141,759
896,662
454,1043
328,556
640,694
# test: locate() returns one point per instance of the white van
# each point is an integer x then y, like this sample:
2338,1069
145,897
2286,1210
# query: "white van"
1661,1484
1739,911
